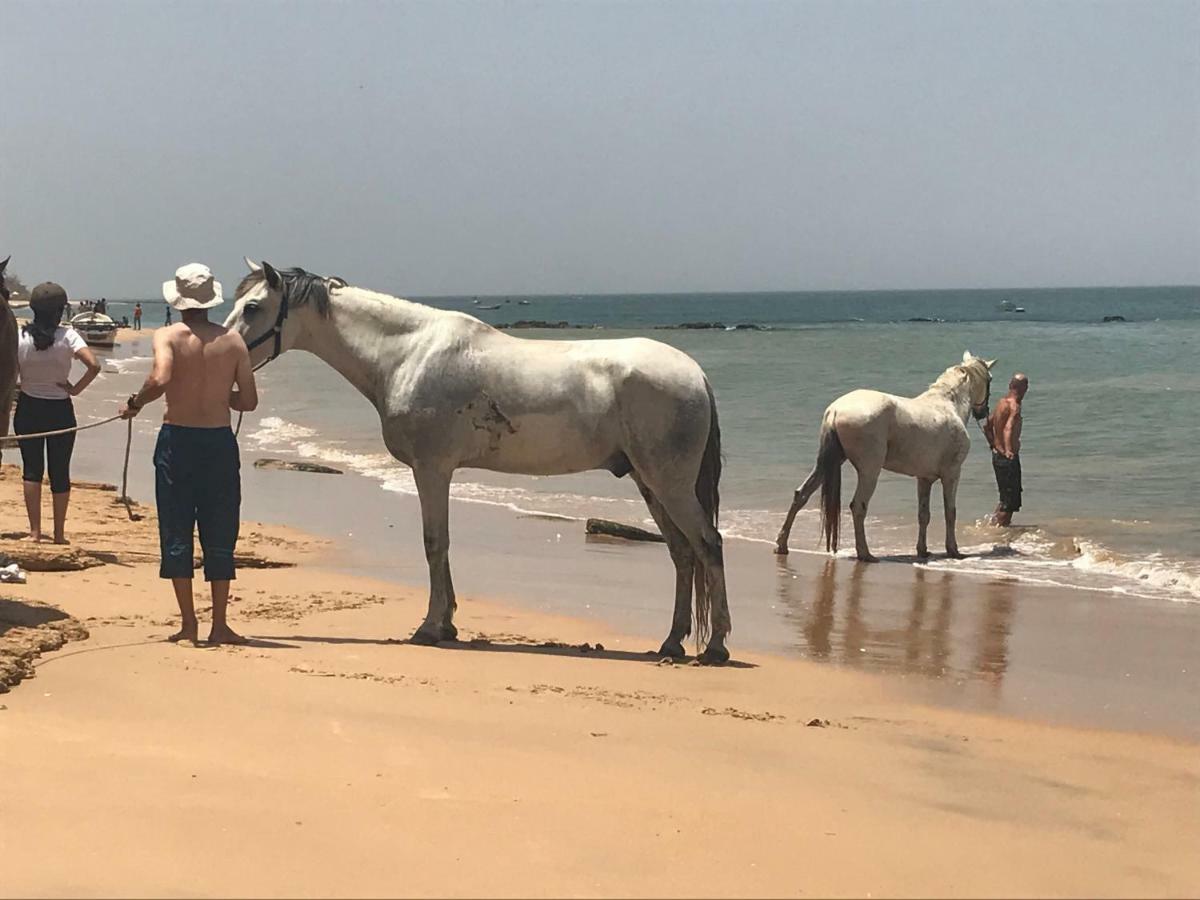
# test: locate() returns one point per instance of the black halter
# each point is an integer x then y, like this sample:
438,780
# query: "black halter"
277,331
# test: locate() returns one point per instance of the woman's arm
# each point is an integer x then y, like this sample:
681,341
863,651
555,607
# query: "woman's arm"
88,358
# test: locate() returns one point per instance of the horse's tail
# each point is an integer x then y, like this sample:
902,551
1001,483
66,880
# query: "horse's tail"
708,493
830,456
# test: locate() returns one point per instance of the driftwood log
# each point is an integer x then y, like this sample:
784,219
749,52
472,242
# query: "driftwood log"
269,463
608,528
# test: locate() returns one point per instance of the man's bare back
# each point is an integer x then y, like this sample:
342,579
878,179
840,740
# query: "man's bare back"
199,363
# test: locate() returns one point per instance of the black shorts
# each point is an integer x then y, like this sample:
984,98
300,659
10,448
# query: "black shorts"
1008,480
197,481
33,416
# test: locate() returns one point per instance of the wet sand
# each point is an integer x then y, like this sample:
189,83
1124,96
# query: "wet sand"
327,758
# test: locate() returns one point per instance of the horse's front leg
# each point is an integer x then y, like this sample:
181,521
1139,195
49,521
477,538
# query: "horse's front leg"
433,487
924,489
949,494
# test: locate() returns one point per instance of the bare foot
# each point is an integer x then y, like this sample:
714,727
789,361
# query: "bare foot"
225,635
34,538
61,540
184,634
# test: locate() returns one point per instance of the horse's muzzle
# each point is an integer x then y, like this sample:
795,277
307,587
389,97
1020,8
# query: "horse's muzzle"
980,412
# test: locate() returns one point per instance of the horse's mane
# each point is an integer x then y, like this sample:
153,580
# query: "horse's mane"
299,287
965,369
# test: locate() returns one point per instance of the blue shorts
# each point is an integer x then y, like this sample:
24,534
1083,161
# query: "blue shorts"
197,481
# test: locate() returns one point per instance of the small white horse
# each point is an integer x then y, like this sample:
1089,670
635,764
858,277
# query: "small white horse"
925,437
452,392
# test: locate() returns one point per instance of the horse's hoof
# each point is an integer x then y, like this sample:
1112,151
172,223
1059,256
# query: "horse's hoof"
672,648
868,558
922,553
955,555
449,632
713,655
781,550
427,637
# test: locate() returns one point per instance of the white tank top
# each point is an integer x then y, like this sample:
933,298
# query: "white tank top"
43,370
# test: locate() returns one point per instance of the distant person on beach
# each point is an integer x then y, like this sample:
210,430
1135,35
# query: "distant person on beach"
197,365
102,306
137,317
168,319
1003,433
45,353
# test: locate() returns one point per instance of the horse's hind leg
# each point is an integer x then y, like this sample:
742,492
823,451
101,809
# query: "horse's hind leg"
868,477
811,483
685,511
924,489
685,563
433,487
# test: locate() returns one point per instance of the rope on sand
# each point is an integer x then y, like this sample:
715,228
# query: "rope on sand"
124,498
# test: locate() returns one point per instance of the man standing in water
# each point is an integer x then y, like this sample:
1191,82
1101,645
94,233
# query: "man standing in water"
197,364
1003,433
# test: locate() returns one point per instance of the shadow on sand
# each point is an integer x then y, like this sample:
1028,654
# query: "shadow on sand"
545,648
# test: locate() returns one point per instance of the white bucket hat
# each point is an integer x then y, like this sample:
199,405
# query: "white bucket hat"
193,287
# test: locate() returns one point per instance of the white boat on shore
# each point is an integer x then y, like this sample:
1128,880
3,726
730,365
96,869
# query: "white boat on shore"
97,328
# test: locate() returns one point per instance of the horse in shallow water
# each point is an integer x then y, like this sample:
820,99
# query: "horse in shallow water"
452,392
923,436
8,353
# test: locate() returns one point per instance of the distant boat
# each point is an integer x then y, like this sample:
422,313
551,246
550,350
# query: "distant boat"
97,328
1009,306
482,306
522,302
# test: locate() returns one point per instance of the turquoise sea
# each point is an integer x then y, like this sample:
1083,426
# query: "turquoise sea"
1110,438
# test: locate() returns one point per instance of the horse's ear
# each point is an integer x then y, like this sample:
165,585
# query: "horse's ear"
274,280
254,267
989,363
4,265
967,357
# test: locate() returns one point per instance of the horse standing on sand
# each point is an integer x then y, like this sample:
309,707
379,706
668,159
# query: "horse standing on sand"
923,436
452,392
8,353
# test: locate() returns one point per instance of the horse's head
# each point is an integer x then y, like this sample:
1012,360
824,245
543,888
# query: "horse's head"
979,376
271,308
4,295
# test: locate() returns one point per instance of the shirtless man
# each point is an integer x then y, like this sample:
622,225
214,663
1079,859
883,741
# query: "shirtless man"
197,364
1003,433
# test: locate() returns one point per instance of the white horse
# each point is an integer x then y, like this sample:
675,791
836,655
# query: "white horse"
925,437
452,392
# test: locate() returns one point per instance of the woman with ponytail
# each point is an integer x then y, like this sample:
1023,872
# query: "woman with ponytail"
45,351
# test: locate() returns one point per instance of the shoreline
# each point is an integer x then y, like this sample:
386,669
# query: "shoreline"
962,640
515,763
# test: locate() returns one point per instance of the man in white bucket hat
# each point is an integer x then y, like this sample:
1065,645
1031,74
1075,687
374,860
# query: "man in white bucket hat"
204,371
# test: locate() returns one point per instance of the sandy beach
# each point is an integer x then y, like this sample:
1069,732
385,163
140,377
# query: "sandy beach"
329,758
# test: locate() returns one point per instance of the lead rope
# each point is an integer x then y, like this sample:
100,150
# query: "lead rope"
124,498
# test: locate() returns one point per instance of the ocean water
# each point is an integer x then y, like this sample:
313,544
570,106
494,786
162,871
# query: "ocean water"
1109,444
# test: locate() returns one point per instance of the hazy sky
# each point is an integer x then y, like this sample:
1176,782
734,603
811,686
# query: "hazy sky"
432,148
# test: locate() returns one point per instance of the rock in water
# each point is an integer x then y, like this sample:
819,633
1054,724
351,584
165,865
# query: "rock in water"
617,529
269,463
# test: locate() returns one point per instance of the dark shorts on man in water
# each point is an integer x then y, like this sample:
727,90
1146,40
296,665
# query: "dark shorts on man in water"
1008,480
197,482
